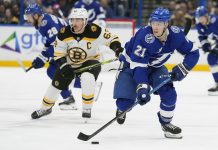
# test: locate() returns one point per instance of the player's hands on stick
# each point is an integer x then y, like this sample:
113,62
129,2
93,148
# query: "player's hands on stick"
143,95
179,72
40,61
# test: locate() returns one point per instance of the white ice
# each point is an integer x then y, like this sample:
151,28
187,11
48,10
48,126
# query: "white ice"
21,93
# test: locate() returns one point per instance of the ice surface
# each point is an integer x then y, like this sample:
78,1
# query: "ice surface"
21,93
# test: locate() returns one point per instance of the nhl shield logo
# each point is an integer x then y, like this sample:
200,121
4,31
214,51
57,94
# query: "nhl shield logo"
149,38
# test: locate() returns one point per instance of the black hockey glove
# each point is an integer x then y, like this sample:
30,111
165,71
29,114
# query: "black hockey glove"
67,71
118,51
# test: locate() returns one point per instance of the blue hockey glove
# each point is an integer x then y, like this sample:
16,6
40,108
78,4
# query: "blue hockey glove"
40,61
179,72
143,95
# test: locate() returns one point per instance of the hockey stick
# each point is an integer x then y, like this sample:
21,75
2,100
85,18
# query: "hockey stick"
99,90
23,67
85,137
95,65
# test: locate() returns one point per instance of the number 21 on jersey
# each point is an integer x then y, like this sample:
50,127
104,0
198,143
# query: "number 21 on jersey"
140,51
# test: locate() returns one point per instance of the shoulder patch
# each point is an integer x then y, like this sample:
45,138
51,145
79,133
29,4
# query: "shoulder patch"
93,28
62,30
213,19
149,38
175,29
44,23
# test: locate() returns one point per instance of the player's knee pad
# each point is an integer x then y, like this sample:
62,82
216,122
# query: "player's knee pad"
60,82
168,97
87,83
124,104
212,59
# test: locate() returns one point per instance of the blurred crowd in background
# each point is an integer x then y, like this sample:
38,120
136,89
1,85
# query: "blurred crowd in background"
181,9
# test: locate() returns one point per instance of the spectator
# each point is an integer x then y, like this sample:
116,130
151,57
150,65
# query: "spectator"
9,18
108,11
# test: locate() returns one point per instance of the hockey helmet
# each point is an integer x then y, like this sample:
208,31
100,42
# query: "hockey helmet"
201,11
33,9
160,14
78,13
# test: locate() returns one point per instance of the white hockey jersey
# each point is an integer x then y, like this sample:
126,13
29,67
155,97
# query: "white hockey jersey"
78,48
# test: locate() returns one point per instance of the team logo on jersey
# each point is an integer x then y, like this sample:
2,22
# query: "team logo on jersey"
175,29
149,38
76,54
213,19
62,30
93,28
44,22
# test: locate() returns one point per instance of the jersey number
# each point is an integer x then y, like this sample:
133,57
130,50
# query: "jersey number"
51,32
140,51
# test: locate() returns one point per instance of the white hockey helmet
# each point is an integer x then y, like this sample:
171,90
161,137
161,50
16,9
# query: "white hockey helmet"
78,13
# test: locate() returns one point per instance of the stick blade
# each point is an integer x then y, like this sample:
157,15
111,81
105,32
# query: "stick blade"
83,137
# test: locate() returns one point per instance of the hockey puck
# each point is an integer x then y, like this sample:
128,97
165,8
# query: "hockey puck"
95,142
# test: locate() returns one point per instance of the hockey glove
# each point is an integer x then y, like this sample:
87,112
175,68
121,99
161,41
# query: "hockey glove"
206,47
179,72
67,71
143,95
118,51
40,61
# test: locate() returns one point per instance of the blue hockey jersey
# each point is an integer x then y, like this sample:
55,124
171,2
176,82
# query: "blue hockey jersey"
95,10
145,50
210,29
50,27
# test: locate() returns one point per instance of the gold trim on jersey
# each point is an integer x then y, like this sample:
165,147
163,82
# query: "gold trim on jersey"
68,39
89,39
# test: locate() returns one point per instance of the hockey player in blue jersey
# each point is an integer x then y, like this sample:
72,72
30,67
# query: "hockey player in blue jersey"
208,25
48,26
143,67
95,11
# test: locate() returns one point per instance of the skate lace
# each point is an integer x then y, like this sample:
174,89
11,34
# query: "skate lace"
171,126
87,111
40,112
122,116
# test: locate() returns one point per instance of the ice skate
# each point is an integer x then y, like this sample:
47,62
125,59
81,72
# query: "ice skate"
122,118
68,104
86,114
171,131
40,113
213,91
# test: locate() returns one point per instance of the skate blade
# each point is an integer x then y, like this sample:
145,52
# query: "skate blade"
173,136
86,120
213,93
66,107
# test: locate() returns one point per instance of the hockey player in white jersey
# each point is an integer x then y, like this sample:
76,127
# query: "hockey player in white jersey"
76,47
